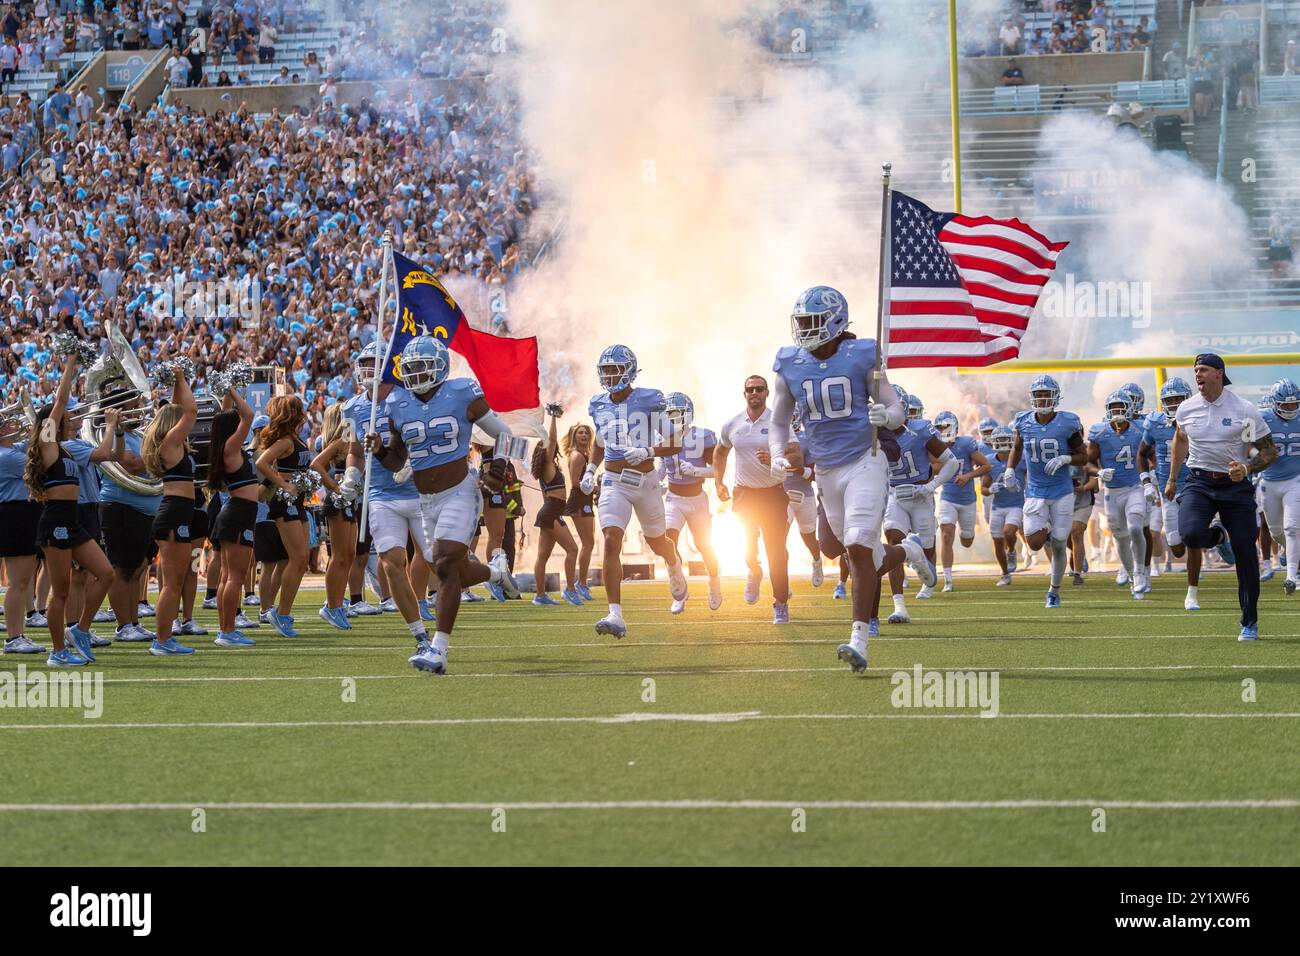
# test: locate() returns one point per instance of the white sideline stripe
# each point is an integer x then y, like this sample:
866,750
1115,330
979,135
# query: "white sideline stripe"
1258,804
774,670
631,718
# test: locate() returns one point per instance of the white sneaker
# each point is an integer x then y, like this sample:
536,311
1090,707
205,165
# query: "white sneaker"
1121,578
947,587
22,644
925,593
364,609
210,604
751,587
678,607
264,617
1191,604
501,577
38,620
252,600
818,573
387,606
715,594
1155,569
146,609
1003,581
677,581
242,621
104,616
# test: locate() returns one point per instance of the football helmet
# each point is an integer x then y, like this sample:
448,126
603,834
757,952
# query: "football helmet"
425,364
1044,394
1003,438
945,423
1173,393
679,410
616,368
1139,397
1119,406
819,315
986,428
915,408
1285,398
365,365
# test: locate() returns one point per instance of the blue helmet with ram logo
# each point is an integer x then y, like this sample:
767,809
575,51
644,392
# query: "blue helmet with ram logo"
425,364
819,315
616,368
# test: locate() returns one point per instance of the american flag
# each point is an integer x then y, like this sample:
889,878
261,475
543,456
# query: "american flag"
961,288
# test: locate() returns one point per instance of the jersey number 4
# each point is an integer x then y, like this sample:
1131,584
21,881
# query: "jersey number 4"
413,433
836,395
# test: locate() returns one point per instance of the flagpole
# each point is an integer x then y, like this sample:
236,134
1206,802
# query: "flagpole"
955,116
882,305
387,279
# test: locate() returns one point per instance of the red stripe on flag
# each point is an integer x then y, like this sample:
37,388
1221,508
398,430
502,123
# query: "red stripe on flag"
935,335
998,242
506,368
972,221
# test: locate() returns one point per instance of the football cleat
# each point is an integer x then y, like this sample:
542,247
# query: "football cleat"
1053,599
501,576
1003,581
1138,594
780,613
1288,586
1267,573
873,627
857,660
677,581
900,617
1249,632
715,594
22,644
495,592
1078,578
428,659
818,573
751,586
1191,604
611,625
925,593
545,600
1121,578
919,562
947,587
841,592
1011,561
677,607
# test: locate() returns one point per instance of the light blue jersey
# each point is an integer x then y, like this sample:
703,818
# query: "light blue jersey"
111,491
1119,450
87,475
436,431
832,398
1043,442
961,449
919,425
799,482
13,462
383,486
1005,498
635,422
1159,435
694,443
1286,436
913,465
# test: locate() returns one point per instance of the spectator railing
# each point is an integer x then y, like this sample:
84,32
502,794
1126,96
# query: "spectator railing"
1029,99
1279,90
1223,130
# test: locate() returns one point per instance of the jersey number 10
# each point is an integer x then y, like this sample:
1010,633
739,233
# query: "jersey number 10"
830,399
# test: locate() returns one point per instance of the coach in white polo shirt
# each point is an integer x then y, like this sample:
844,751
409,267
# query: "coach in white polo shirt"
1224,440
761,502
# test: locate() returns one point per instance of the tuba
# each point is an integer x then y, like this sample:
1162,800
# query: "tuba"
117,379
17,418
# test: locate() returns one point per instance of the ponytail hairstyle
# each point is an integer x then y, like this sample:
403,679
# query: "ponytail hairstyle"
151,446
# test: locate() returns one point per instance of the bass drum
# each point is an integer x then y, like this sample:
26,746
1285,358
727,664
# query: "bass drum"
200,437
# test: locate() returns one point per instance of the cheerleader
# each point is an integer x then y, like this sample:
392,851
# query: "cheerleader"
52,477
230,469
576,448
19,517
283,454
341,514
551,529
167,455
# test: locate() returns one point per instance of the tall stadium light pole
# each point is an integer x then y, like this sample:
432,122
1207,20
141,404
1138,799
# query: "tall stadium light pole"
956,106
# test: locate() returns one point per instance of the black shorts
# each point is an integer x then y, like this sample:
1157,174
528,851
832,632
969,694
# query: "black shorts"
552,510
579,505
175,519
267,546
88,514
127,535
60,526
234,523
493,499
18,523
287,512
351,512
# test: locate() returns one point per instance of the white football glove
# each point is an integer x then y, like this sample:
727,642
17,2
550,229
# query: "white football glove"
694,471
1151,493
1010,482
1106,475
996,486
588,483
636,455
878,414
351,484
403,474
1056,464
780,467
928,489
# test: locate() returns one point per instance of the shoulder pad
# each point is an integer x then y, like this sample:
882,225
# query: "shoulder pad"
1020,418
1072,420
784,355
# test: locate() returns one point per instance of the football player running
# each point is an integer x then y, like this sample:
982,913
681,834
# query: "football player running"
1007,513
1156,449
1052,440
1281,480
826,375
957,499
910,509
1113,449
686,503
628,422
431,418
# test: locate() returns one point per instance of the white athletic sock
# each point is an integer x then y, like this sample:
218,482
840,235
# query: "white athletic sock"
859,638
1059,561
898,603
1292,537
441,640
417,629
947,575
616,611
1191,591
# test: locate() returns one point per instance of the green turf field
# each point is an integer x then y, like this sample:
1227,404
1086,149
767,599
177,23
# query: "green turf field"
1134,708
